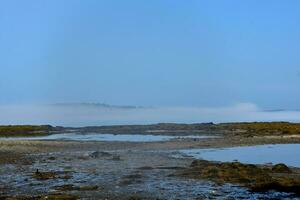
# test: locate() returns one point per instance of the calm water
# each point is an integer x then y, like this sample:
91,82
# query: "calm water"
279,153
108,137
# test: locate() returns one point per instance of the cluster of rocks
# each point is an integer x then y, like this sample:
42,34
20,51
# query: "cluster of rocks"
50,175
257,178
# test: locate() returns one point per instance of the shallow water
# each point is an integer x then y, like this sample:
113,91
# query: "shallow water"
262,154
108,137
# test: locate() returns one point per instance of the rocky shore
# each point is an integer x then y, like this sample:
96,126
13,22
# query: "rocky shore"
258,178
31,170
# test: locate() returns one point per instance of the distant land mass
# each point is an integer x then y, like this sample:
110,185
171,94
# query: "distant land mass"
282,110
98,105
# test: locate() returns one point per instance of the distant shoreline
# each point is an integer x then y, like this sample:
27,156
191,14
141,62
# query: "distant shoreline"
242,129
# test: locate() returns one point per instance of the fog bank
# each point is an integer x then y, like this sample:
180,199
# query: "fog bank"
93,114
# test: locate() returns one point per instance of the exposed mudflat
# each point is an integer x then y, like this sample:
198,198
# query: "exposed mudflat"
117,170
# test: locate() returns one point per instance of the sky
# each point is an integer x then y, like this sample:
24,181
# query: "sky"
166,53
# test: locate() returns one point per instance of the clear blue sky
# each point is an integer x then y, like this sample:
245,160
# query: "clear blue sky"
155,53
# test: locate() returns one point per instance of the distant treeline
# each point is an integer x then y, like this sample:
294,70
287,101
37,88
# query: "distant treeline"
246,129
25,130
150,129
262,128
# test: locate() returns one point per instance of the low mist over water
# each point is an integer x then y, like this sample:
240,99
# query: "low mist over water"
102,114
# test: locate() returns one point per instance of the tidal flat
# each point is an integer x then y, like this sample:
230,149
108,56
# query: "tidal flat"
93,169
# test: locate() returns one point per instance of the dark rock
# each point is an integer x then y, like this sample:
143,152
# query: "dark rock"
50,175
51,158
44,175
88,187
99,154
146,168
116,157
281,168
